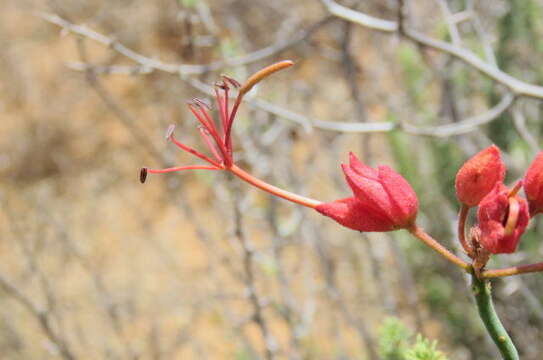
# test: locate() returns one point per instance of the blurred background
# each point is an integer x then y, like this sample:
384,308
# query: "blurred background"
197,265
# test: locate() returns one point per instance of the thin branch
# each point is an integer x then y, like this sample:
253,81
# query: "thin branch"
451,24
40,315
359,17
465,125
520,125
517,86
148,64
250,281
481,33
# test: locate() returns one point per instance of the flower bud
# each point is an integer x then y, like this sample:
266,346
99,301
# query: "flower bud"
502,219
478,176
383,200
533,185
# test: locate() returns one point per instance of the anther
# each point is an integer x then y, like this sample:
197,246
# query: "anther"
143,174
201,103
221,85
169,131
231,81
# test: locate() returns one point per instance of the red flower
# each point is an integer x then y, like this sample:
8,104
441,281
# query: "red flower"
217,138
533,185
502,217
478,176
383,200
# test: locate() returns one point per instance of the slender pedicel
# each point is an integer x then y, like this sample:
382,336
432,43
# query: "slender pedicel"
514,270
420,234
287,195
462,216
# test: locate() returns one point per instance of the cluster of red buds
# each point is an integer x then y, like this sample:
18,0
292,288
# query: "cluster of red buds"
382,199
502,215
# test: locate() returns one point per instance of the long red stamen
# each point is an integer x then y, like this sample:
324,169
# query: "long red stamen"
202,121
180,168
222,114
245,88
144,171
227,136
213,132
208,124
194,152
225,109
211,147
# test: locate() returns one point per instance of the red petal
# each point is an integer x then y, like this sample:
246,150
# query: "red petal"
533,184
370,192
478,175
401,193
492,216
362,169
352,213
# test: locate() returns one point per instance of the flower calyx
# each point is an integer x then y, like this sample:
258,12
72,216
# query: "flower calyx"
383,200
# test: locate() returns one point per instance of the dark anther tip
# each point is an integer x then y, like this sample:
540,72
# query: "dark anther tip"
221,85
143,174
232,81
169,131
202,103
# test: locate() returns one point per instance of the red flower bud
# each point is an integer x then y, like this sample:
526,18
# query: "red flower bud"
502,217
478,176
383,200
533,185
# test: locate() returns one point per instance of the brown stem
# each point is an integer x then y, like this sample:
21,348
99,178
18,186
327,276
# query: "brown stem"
420,234
514,270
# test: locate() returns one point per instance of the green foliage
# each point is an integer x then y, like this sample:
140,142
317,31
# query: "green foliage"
393,336
424,349
188,3
394,343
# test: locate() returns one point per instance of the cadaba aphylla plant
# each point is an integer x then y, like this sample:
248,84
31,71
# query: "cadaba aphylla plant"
383,200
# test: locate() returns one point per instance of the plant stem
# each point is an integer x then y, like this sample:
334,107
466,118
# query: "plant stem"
287,195
515,270
483,297
420,234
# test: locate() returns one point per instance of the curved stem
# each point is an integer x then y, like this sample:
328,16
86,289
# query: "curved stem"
514,270
462,216
420,234
295,198
483,297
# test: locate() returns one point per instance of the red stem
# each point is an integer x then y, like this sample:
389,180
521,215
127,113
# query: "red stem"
420,234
